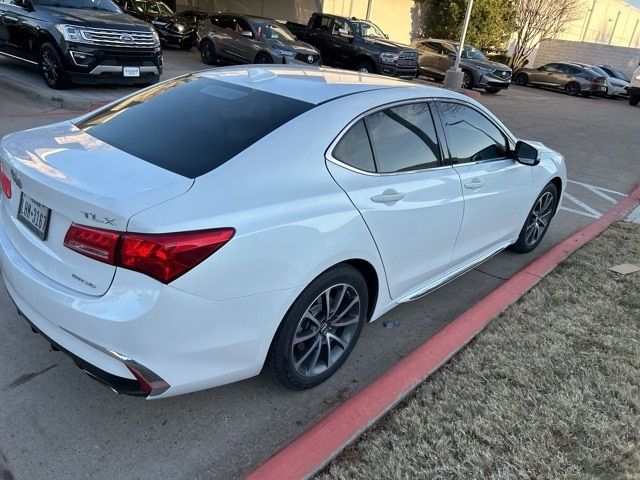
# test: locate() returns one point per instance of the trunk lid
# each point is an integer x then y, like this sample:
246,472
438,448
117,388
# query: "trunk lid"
81,180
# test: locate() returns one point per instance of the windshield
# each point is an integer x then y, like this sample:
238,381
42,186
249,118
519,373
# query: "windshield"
106,5
368,29
599,71
158,8
271,31
619,74
472,53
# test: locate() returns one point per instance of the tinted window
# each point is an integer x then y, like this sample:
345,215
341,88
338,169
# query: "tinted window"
354,149
339,24
471,136
403,138
321,23
191,125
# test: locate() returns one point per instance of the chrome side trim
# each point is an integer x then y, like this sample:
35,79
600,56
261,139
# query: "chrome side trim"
118,69
18,58
451,275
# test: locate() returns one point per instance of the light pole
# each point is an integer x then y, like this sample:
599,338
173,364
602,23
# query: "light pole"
586,28
454,76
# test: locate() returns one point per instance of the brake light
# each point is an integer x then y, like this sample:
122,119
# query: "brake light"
6,182
164,257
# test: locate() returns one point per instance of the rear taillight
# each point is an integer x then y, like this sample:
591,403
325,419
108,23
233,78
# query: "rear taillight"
164,257
6,182
167,256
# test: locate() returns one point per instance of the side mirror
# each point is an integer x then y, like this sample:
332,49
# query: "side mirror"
386,35
343,32
246,33
527,154
26,4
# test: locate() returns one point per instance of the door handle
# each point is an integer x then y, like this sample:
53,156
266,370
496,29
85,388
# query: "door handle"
388,197
475,184
10,19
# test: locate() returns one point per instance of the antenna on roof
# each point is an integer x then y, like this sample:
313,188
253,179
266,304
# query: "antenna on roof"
260,75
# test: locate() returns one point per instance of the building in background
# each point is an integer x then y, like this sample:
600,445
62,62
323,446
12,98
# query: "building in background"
394,17
608,22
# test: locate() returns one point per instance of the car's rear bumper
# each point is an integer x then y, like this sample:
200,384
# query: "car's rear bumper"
176,341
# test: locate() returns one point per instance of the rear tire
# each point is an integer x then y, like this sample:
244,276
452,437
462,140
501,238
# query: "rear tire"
208,52
572,88
538,220
262,58
320,329
634,100
52,67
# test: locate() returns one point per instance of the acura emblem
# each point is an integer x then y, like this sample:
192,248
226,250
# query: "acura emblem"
16,179
126,38
310,59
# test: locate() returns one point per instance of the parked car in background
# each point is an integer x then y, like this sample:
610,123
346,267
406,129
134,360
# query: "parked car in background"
251,39
265,224
357,45
80,41
616,73
438,56
634,88
178,29
570,77
615,86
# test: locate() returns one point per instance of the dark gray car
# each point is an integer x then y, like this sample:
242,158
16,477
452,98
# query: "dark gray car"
438,56
572,78
251,39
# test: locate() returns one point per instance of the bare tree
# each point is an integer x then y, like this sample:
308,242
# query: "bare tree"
538,19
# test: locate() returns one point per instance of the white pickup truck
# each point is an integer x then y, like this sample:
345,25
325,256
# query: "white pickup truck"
634,88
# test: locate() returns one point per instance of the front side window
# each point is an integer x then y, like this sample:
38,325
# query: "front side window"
271,30
471,136
340,24
403,138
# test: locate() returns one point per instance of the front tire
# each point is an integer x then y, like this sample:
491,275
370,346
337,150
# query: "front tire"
522,79
52,67
366,66
634,100
467,80
208,52
320,329
264,58
538,220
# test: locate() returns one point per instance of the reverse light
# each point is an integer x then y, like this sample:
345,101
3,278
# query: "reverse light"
6,182
164,257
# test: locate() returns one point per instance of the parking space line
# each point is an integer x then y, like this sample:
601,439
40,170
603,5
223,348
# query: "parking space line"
599,191
591,212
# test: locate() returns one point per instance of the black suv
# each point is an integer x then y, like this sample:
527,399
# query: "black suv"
82,41
357,45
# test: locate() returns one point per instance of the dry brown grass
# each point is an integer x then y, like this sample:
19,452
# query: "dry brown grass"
550,390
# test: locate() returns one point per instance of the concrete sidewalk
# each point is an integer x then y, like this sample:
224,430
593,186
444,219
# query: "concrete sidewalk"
26,78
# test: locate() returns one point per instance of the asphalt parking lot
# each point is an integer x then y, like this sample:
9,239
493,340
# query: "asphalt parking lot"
56,422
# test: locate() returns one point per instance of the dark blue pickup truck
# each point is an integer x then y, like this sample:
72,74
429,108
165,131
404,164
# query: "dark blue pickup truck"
357,45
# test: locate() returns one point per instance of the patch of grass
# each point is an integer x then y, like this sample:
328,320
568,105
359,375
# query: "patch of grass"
550,390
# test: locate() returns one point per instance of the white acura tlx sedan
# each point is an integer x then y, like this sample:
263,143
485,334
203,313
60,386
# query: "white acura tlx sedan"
191,233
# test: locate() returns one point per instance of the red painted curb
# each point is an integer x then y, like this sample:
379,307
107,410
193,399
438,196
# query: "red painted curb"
317,446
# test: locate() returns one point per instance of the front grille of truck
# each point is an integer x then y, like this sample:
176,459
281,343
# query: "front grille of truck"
407,59
119,38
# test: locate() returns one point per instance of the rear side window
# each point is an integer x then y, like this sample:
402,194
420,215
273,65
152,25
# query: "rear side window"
192,125
354,149
404,138
471,137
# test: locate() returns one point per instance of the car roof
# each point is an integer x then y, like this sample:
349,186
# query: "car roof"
312,84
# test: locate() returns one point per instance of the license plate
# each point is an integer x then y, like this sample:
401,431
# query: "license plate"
131,71
34,215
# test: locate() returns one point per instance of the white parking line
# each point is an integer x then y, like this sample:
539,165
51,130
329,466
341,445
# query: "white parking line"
588,211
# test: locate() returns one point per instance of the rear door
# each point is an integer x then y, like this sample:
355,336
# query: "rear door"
389,164
496,188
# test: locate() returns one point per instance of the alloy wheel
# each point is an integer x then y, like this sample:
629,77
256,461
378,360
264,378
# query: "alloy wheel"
539,219
50,67
326,330
466,80
573,89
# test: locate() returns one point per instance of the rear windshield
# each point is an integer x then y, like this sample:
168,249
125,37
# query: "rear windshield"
191,125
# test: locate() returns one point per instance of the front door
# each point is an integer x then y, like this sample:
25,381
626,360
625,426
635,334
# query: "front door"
496,188
389,164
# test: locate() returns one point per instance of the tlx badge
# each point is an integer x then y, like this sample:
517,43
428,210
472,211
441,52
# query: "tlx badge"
97,219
